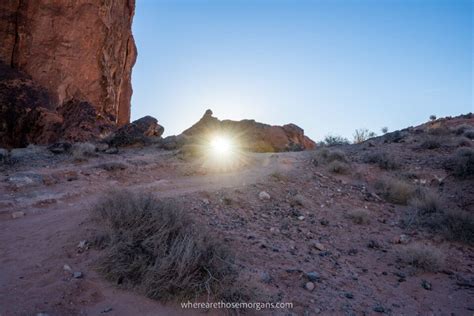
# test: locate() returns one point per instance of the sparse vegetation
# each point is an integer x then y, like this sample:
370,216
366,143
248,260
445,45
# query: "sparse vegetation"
459,130
464,142
334,140
396,191
423,257
338,167
82,151
362,134
426,202
383,160
155,248
432,117
431,143
384,129
359,216
461,163
469,134
324,156
458,225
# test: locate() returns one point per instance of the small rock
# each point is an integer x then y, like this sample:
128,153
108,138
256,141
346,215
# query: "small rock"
82,244
111,151
66,267
402,239
319,246
379,309
426,285
77,275
264,196
309,286
60,148
265,277
18,214
108,309
324,222
205,201
349,295
301,218
313,276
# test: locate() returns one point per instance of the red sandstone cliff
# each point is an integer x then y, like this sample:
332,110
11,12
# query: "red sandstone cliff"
81,49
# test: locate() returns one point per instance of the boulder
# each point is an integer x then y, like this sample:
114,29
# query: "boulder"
139,132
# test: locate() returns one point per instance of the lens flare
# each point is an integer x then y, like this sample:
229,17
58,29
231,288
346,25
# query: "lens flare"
221,145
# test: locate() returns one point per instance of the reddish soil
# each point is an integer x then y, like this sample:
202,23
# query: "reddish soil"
274,241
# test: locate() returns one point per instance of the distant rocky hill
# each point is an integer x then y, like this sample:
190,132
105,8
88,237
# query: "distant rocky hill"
253,136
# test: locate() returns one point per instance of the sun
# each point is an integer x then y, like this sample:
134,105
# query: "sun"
221,145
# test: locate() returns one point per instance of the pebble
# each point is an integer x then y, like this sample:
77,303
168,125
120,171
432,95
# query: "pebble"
77,275
313,276
265,277
379,309
66,267
426,285
301,218
309,286
349,295
319,246
108,309
264,196
18,214
82,244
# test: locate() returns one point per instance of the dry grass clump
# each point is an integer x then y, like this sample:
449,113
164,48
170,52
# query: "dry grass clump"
82,151
339,167
325,156
396,191
459,130
426,202
462,163
155,248
469,134
383,160
423,257
458,225
464,142
431,143
359,216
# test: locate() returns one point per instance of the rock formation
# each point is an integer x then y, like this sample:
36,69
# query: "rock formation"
138,132
81,50
253,136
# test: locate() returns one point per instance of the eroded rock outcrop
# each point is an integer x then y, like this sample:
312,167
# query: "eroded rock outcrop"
81,50
139,132
253,136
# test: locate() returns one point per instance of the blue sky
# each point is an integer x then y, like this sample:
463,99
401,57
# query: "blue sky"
329,66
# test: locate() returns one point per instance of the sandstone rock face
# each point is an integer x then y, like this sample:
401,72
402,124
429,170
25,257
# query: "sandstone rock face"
28,114
81,49
253,136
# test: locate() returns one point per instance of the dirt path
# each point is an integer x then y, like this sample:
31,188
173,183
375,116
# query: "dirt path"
36,247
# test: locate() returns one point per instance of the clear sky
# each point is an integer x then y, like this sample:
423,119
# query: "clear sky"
329,66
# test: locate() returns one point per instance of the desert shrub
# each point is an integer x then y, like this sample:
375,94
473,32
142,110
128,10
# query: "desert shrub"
82,151
464,142
426,202
432,117
155,248
461,163
383,160
362,134
359,216
327,156
396,191
431,143
458,225
469,134
384,130
459,130
421,256
438,130
335,140
338,167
